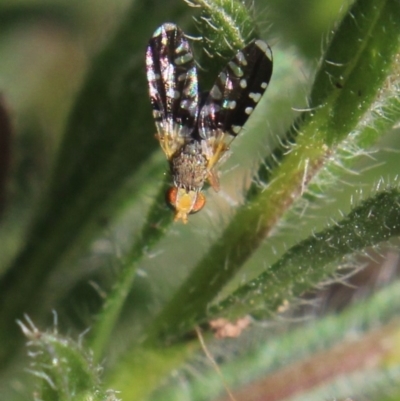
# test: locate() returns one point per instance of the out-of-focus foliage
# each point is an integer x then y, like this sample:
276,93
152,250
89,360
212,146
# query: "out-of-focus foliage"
84,230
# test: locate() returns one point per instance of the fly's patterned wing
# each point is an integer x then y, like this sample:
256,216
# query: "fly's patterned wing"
173,87
232,99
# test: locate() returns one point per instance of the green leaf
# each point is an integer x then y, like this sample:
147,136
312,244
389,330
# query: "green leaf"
309,262
352,75
65,371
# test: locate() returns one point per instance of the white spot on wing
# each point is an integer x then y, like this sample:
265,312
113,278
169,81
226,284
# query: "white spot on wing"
235,69
164,28
236,128
264,47
222,77
255,96
183,59
216,93
180,48
229,104
241,58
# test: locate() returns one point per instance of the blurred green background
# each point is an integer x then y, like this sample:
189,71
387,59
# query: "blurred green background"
46,48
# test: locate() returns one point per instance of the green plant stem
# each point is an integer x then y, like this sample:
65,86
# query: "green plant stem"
156,224
143,369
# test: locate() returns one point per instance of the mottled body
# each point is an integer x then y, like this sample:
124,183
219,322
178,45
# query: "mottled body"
189,167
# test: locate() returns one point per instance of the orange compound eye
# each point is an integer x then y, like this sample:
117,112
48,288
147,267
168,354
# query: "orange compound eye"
172,195
199,203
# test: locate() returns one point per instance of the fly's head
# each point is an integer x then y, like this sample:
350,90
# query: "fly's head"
185,202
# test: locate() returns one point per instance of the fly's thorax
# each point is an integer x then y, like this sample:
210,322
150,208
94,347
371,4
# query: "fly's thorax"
189,167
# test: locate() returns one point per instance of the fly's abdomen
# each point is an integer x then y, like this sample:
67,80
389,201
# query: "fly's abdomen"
189,168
